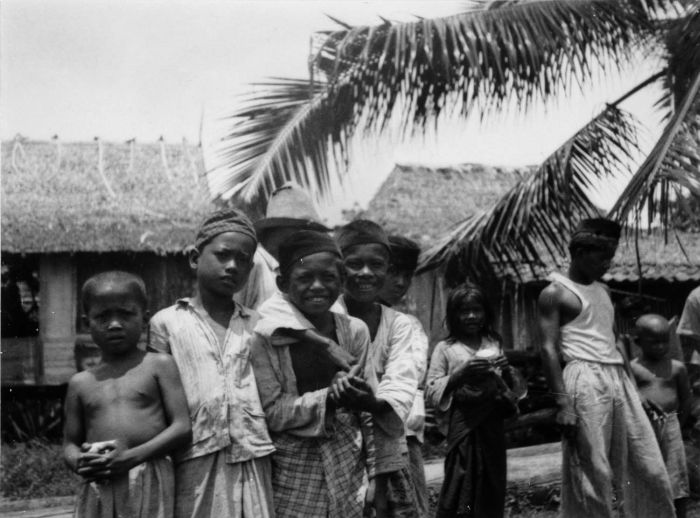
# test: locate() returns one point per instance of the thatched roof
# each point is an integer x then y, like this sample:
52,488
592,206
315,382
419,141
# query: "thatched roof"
101,197
424,203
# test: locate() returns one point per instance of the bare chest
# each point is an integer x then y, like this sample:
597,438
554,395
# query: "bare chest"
133,389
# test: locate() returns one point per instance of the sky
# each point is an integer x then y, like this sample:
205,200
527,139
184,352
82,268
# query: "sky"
124,69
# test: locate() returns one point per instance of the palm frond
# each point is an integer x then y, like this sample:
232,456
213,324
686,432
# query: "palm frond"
290,131
533,221
682,42
520,51
673,163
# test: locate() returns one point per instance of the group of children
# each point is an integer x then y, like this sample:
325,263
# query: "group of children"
295,410
311,406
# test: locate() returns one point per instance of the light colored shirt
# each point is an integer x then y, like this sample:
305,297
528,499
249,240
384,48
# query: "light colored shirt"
415,423
447,357
287,411
262,280
590,336
294,419
218,379
689,324
391,368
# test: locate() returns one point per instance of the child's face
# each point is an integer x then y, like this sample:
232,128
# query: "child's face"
396,285
471,318
116,318
223,265
366,268
314,283
654,343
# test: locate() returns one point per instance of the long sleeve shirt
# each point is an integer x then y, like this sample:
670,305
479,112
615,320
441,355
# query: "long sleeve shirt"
319,453
218,379
447,357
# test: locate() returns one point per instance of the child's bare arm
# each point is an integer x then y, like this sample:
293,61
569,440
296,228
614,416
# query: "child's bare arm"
74,446
684,394
178,433
73,429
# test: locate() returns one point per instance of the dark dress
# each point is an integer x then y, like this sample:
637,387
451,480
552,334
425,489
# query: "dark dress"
475,465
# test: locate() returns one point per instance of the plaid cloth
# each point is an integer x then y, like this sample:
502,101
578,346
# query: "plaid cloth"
320,476
395,494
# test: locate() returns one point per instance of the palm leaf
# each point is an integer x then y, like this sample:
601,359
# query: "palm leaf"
532,222
474,61
527,51
284,133
673,162
682,44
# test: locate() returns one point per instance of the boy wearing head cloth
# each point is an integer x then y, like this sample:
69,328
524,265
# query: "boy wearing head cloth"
402,267
225,471
391,365
609,449
319,464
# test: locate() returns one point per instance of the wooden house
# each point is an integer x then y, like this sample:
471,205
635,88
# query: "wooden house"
70,210
425,203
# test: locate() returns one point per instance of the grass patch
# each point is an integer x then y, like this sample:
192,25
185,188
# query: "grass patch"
35,469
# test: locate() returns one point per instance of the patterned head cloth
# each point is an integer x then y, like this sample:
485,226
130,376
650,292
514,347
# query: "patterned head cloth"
304,243
224,220
596,233
404,252
361,232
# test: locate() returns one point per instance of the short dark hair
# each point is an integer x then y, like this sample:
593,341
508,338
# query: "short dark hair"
126,279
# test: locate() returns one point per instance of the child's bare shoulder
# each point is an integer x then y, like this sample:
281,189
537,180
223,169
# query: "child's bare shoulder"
678,367
637,366
157,361
82,381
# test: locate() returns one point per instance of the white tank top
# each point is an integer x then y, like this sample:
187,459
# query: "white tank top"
589,336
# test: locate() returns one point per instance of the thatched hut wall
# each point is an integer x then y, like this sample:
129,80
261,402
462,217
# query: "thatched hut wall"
73,209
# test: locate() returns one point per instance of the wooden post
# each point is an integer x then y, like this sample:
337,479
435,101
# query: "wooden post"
57,316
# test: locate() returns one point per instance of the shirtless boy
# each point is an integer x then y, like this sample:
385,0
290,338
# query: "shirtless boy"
125,415
609,449
663,383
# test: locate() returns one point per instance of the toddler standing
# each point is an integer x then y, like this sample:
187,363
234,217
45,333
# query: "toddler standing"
665,392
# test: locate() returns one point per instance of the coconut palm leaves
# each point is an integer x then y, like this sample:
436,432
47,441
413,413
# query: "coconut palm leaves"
481,58
528,224
473,62
285,133
673,163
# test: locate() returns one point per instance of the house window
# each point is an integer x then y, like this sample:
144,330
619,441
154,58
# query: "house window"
20,297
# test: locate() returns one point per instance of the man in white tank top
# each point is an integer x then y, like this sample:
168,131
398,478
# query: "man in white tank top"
611,460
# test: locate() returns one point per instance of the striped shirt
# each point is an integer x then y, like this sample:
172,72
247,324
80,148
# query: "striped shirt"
218,379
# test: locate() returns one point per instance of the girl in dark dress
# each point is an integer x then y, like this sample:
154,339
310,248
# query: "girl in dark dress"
468,386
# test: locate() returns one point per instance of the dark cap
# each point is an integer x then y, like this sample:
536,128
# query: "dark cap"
304,243
361,232
404,252
600,227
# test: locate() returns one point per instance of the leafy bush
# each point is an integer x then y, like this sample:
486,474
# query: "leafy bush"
35,469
